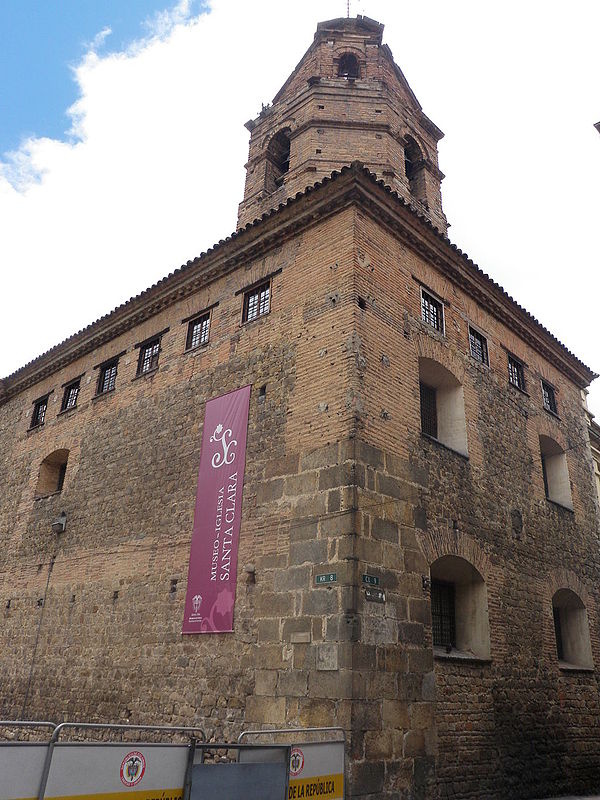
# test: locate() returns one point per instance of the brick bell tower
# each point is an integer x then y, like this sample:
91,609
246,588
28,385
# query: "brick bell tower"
346,100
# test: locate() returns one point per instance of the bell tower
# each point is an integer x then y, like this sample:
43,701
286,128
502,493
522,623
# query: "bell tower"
346,100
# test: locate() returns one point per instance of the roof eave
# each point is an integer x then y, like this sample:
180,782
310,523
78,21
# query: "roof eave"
352,184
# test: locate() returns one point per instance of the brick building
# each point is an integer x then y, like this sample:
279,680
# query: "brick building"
412,430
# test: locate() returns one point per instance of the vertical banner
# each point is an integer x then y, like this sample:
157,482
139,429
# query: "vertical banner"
212,574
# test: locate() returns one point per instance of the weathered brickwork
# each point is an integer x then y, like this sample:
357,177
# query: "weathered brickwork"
117,585
339,479
522,725
329,120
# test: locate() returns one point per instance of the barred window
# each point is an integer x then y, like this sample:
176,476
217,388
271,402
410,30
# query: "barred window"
198,331
148,358
53,470
459,608
478,345
107,378
70,395
516,375
432,311
428,410
257,302
549,398
39,412
442,614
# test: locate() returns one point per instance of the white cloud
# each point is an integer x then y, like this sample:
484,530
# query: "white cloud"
153,169
163,22
99,39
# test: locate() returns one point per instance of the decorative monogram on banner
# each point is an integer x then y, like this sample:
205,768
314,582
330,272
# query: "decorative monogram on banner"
225,457
212,574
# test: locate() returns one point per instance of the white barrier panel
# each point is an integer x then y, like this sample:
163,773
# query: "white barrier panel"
110,771
21,765
317,771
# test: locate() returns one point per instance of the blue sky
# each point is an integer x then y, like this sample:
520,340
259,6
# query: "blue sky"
40,43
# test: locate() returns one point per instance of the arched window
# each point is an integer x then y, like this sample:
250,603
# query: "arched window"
414,168
278,159
555,472
52,473
442,405
571,629
459,610
348,67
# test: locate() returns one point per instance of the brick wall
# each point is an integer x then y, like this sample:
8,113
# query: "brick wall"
332,122
110,644
339,479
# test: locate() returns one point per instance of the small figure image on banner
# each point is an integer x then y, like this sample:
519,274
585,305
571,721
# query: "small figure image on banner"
212,573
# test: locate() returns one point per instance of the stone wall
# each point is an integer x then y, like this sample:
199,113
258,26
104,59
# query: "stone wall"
519,725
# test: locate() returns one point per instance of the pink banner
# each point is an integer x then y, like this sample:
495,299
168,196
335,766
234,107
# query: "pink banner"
212,574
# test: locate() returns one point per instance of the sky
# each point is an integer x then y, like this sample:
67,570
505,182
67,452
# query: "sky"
122,145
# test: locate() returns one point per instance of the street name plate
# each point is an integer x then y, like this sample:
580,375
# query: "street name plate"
372,580
328,577
375,595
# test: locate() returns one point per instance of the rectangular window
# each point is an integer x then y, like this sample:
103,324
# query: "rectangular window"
148,358
198,331
516,376
107,377
549,398
70,396
442,614
39,411
257,302
478,345
432,311
428,410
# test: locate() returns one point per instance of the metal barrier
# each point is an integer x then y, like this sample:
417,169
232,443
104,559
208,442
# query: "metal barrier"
317,767
22,762
170,770
61,769
260,772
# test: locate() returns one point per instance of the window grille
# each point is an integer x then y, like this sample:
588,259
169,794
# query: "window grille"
432,311
428,410
107,378
70,396
62,471
478,345
198,330
549,398
545,476
39,412
515,373
257,302
558,633
148,359
443,614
